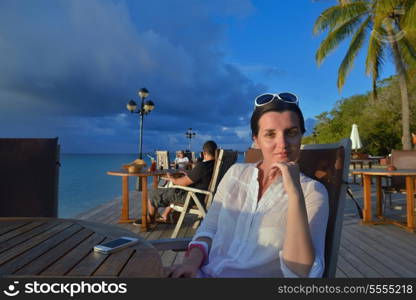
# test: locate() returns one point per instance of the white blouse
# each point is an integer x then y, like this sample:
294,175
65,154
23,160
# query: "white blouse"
182,162
247,235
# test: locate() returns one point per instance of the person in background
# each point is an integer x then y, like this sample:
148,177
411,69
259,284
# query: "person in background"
181,161
267,219
199,177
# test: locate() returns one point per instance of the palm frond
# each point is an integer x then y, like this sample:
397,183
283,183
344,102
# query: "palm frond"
387,11
355,45
395,49
375,53
406,44
409,18
387,6
407,52
335,37
339,14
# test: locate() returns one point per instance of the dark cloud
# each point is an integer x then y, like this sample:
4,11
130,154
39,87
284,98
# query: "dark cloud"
67,68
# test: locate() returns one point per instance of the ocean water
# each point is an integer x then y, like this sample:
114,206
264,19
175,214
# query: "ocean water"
84,183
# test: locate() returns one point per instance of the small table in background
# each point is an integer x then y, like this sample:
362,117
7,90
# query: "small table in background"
410,175
124,217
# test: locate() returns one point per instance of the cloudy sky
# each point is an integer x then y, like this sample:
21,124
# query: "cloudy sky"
68,68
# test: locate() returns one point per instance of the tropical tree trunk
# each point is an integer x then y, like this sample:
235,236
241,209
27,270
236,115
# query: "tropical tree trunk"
401,72
406,141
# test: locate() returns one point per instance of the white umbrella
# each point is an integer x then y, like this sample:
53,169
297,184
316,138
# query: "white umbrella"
355,138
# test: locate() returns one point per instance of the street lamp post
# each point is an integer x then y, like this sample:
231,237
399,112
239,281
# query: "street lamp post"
144,109
189,134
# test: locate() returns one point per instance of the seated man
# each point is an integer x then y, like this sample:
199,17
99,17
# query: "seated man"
199,177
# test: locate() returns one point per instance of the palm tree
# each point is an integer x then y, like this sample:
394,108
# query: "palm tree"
388,27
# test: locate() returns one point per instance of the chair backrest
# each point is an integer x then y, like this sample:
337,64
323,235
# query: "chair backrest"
29,174
252,155
224,159
188,155
402,159
162,159
328,164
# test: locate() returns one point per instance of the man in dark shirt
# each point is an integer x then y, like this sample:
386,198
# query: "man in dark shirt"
199,177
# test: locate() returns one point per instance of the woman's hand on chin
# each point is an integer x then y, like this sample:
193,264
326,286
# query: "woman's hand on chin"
290,174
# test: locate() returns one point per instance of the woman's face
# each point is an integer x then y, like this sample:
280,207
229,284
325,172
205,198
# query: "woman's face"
279,136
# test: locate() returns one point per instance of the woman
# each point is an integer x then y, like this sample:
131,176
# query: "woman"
267,219
181,161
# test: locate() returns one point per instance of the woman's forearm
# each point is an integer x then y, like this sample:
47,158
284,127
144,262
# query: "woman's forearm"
298,250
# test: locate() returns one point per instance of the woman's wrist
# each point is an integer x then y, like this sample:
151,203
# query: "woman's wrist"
194,258
198,252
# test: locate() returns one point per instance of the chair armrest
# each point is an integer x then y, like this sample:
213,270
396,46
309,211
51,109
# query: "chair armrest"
190,189
178,244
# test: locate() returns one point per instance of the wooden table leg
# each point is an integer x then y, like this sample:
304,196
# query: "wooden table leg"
367,199
143,227
379,197
124,218
155,181
410,206
353,176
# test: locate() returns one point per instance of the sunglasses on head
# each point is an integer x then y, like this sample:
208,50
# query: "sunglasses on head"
264,99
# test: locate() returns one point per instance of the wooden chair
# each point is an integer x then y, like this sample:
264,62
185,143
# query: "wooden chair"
162,159
401,159
29,170
190,158
188,155
329,164
224,159
252,155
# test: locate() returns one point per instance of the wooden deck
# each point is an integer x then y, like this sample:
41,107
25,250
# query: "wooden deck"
372,251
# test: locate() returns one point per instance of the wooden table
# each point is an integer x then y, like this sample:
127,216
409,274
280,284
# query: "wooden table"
124,217
50,247
410,175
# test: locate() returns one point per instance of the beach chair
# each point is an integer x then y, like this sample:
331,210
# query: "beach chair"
162,159
329,164
29,170
401,159
224,159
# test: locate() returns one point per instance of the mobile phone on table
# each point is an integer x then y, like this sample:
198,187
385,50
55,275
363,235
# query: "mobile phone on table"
115,245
